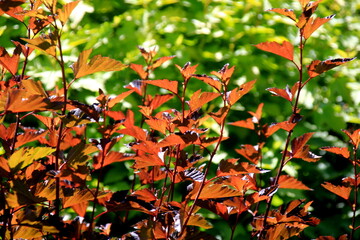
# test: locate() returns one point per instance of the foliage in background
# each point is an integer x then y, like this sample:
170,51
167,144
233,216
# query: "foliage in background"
211,33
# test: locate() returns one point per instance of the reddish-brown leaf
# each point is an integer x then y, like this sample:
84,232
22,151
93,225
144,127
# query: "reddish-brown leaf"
225,73
159,100
318,67
172,86
341,191
10,63
134,131
82,196
250,152
198,99
64,13
20,101
112,102
343,151
29,135
96,64
46,43
248,123
112,157
220,115
301,150
210,81
157,124
286,181
285,50
212,190
187,71
354,137
231,167
312,25
284,93
234,95
139,69
158,62
284,11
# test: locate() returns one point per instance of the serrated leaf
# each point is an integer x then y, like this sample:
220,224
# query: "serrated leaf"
248,123
112,157
289,182
284,11
96,64
187,71
64,13
158,62
29,135
172,86
343,151
25,156
159,100
341,191
139,69
312,25
250,152
212,190
80,196
220,115
284,93
10,63
231,167
236,94
285,50
157,124
318,67
210,81
198,99
354,137
112,102
46,43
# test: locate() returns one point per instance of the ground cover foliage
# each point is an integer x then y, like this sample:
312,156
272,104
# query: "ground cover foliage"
172,142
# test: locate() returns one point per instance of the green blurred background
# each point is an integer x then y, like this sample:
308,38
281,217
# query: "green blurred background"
211,33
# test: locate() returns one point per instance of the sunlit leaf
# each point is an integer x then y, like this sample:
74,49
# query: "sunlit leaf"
158,62
250,152
210,81
286,181
213,190
285,50
341,191
318,67
343,151
80,196
187,71
233,167
25,156
139,69
113,101
312,25
354,137
64,13
46,43
236,94
198,99
172,86
284,11
97,63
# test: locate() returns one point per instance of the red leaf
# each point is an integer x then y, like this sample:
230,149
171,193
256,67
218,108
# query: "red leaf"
230,167
10,63
250,152
234,95
118,98
139,69
341,191
248,123
158,62
212,190
318,67
257,115
286,125
286,181
225,73
285,50
284,93
29,135
354,137
157,124
210,81
134,131
64,13
198,99
302,151
284,11
343,151
220,115
187,71
312,25
172,86
112,157
159,100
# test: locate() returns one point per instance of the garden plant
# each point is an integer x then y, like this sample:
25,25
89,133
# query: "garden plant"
153,160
